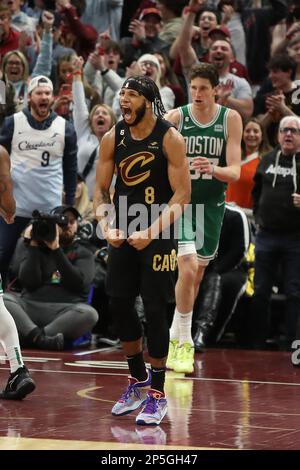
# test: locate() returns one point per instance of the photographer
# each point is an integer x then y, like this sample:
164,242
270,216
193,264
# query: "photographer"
56,277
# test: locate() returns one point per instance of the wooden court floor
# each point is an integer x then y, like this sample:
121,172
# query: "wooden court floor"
235,399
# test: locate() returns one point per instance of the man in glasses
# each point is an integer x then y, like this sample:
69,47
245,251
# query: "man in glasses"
276,207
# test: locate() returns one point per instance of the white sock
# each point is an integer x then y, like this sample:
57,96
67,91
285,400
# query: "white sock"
9,338
185,328
174,330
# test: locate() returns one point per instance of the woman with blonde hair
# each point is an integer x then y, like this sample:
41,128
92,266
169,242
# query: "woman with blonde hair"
15,67
16,70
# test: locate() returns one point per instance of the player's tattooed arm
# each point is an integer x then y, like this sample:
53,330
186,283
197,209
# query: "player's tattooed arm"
103,206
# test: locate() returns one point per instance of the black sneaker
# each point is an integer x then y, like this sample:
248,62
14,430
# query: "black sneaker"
50,343
18,386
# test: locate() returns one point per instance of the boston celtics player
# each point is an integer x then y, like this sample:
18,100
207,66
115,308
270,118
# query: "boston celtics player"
19,382
212,135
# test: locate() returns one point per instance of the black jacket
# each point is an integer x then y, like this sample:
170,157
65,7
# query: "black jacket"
277,178
62,275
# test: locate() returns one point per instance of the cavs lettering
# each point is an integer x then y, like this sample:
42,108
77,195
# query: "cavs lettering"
166,262
130,168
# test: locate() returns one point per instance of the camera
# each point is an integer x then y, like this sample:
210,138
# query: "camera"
85,230
44,225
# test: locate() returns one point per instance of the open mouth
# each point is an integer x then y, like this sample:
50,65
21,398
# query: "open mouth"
219,58
100,122
126,113
43,106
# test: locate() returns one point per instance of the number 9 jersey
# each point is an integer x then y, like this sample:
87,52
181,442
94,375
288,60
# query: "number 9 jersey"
36,164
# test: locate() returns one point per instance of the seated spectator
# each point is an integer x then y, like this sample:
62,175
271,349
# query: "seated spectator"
56,275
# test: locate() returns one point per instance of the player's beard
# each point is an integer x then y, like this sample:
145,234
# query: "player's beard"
140,113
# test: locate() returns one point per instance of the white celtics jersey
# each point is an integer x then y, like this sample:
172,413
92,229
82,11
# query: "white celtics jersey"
36,165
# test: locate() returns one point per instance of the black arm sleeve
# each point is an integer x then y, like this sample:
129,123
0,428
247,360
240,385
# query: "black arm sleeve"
70,163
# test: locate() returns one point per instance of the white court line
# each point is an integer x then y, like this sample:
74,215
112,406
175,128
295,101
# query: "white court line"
34,359
207,379
86,353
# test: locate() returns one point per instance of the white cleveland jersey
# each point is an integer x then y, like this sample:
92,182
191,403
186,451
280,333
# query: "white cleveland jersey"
36,165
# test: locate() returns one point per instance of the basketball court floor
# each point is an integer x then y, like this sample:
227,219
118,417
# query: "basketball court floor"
236,399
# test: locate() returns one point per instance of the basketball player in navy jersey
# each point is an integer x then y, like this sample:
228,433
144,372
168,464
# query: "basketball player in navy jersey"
149,156
19,383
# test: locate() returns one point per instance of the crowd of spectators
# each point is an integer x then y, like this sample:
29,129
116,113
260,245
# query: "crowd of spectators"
86,49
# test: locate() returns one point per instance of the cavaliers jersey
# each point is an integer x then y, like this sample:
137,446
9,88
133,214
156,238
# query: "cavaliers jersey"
36,165
205,140
142,182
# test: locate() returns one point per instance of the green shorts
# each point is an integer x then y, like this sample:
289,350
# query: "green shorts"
199,230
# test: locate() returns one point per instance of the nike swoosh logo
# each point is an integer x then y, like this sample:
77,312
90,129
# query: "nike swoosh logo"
11,382
219,204
188,127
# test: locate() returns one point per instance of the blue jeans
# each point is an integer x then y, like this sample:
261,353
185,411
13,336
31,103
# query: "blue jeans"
270,251
9,235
